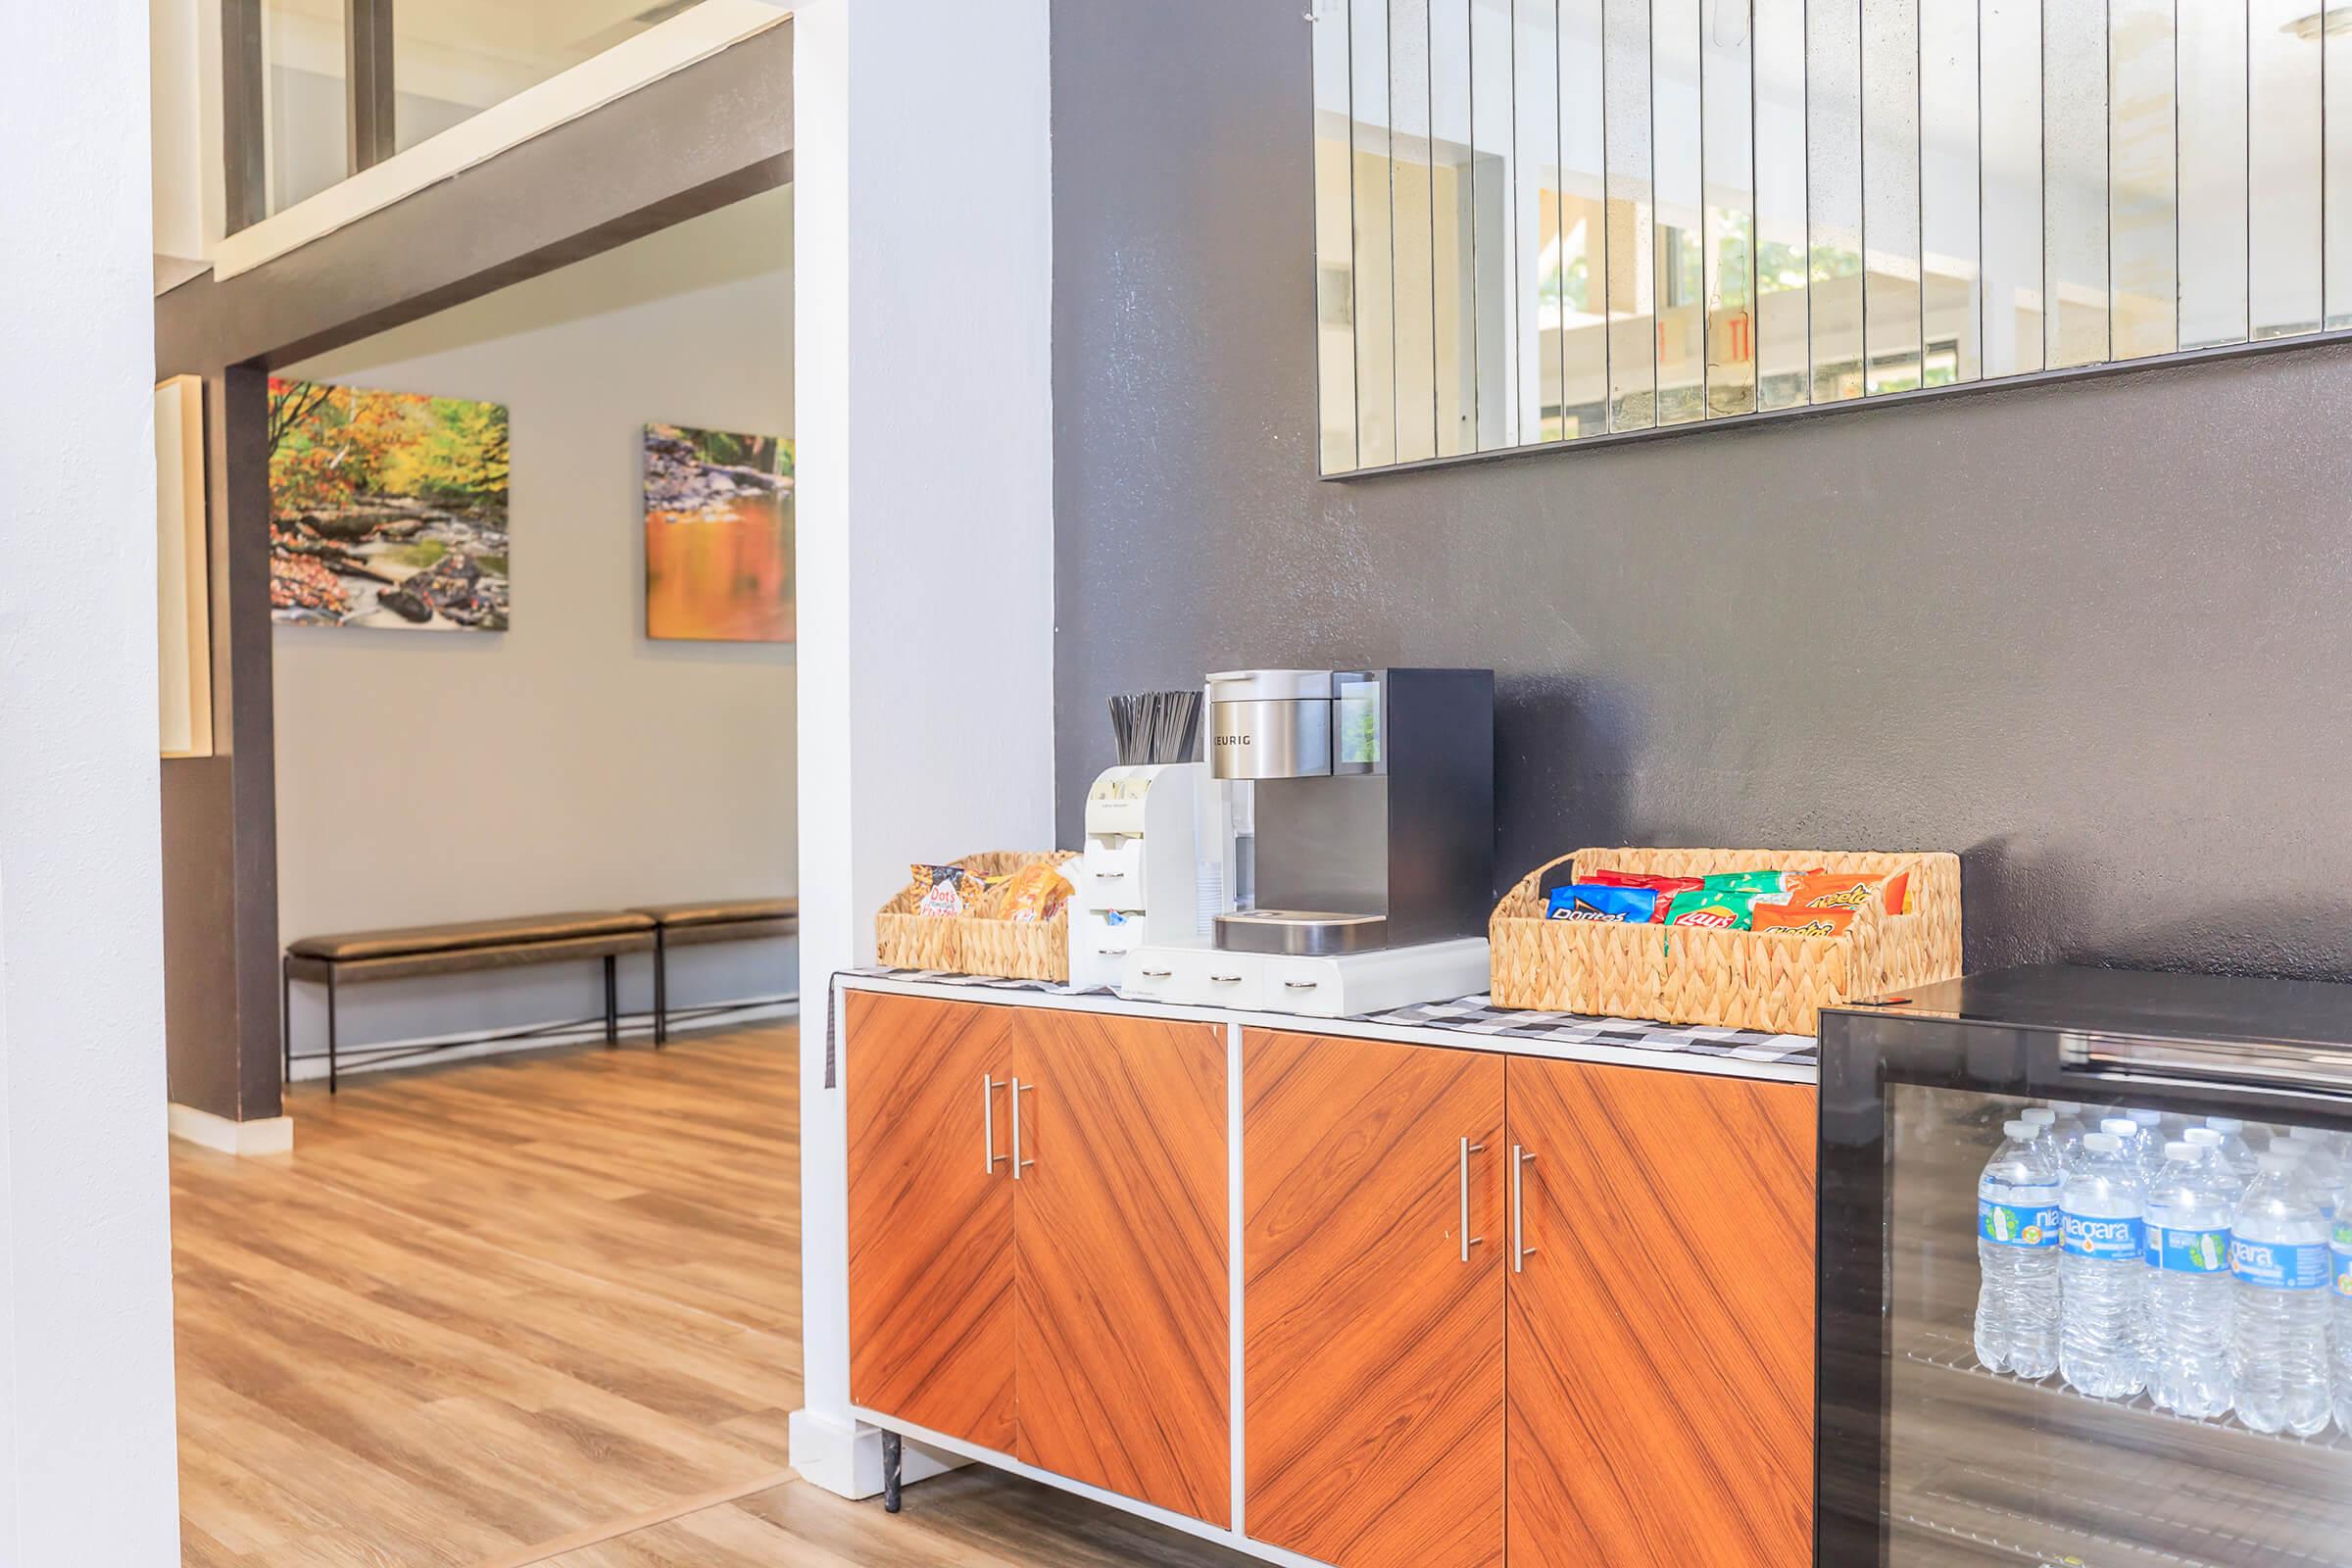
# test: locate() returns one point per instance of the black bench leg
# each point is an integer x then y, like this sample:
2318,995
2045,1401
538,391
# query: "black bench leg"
331,1075
611,1000
893,1452
661,989
286,1020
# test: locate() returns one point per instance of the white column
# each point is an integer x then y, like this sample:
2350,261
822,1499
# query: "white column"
923,304
86,1446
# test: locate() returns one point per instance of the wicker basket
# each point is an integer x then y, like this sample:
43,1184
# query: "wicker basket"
1770,980
1012,950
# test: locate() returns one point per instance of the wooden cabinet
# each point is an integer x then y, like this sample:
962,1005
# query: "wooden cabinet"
1661,1329
1071,1309
931,1230
1122,1332
1622,1372
1373,1326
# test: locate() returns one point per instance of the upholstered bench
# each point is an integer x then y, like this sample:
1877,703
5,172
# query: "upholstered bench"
411,951
680,925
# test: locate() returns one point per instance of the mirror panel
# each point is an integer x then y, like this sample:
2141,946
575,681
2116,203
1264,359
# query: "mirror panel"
1833,198
1583,292
1728,166
2142,204
1540,220
1375,298
2009,183
1411,233
1678,250
2283,55
1335,248
2212,175
1890,297
1535,98
2074,144
1632,272
1783,324
1495,231
1950,226
1454,223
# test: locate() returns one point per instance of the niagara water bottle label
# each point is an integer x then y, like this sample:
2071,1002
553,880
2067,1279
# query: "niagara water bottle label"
2180,1251
2344,1256
2281,1266
2118,1240
2017,1224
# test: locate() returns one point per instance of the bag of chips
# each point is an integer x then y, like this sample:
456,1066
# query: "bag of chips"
950,890
1843,890
1713,906
1665,887
1797,922
1601,902
1771,884
1036,892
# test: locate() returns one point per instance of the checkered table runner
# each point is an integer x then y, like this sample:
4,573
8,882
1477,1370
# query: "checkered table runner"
1478,1015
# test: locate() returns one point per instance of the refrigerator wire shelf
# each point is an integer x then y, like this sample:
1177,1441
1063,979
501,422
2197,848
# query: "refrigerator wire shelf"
1955,1354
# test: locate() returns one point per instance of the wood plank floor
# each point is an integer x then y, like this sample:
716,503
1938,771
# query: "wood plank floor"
491,1313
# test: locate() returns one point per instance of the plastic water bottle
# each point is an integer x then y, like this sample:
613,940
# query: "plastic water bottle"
2190,1296
2017,1255
2230,1136
2278,1252
2320,1167
2043,1123
2104,1282
2066,1134
2340,1281
2148,1148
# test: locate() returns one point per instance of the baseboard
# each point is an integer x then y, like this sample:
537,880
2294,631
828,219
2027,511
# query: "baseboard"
264,1135
844,1457
309,1068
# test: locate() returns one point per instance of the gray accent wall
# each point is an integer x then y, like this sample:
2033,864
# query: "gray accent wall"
2095,636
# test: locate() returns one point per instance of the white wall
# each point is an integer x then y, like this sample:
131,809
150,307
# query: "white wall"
567,763
925,295
86,1457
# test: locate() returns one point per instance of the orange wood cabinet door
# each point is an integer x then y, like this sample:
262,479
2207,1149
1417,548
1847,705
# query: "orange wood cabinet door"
1661,1327
1372,1353
931,1239
1121,1215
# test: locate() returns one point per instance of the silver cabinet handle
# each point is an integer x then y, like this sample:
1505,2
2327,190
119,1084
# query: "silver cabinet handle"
988,1122
1301,985
1520,1251
1113,952
1226,979
1019,1163
1469,1240
1108,876
1157,974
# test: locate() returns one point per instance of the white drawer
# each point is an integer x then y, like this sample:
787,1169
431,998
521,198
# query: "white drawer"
1106,933
1195,976
1310,986
1111,877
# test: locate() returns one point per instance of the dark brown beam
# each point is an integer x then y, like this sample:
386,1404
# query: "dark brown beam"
244,132
370,109
711,134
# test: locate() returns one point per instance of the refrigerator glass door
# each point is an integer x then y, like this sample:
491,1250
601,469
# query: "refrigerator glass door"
1931,1460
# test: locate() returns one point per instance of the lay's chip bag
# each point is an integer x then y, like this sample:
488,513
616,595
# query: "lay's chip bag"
1850,890
1711,906
1797,922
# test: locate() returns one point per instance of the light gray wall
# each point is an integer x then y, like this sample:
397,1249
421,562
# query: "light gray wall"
2093,636
567,763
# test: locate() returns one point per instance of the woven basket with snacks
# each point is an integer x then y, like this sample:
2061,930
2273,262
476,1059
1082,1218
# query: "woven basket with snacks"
997,913
1775,979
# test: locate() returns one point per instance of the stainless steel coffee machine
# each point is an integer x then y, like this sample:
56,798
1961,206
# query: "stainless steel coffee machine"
1372,850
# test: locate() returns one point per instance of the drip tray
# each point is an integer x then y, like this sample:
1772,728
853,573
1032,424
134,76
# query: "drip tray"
1305,933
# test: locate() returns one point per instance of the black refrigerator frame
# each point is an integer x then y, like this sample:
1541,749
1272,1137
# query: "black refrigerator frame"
2265,1050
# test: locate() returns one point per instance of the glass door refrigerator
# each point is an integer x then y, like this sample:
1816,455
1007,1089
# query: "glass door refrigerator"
1927,1457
